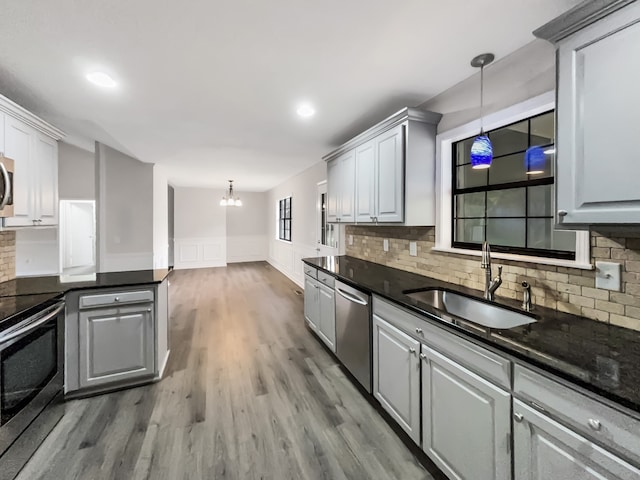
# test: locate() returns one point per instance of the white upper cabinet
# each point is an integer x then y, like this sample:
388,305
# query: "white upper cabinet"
598,112
387,173
33,145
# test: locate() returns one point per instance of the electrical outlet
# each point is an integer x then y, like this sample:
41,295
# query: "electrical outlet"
608,276
350,239
385,244
413,249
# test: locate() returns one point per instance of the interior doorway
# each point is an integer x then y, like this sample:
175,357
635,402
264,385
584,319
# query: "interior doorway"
78,236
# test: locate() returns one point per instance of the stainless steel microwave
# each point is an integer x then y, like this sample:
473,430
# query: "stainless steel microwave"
6,186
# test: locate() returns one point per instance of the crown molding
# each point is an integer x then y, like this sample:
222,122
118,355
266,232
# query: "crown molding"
24,115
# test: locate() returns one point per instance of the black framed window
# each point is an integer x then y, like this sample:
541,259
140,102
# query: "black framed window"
509,205
284,219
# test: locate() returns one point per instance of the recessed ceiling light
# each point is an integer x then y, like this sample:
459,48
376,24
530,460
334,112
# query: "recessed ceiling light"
101,79
306,110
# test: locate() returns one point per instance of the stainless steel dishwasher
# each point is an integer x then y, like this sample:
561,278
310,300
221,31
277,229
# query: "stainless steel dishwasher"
353,332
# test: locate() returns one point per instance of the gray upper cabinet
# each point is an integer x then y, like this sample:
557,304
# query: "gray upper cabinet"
396,375
392,179
116,344
544,449
598,112
461,408
341,173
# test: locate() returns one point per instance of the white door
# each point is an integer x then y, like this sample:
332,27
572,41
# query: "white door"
390,175
466,421
78,238
545,450
396,375
365,183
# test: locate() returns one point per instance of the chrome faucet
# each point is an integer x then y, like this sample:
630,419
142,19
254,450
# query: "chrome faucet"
526,297
490,285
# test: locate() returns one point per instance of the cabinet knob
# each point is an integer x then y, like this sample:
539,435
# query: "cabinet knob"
39,220
149,310
518,417
562,213
595,424
117,299
423,356
419,331
412,350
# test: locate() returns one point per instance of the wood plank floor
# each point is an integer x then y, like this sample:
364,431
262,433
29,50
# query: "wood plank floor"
249,393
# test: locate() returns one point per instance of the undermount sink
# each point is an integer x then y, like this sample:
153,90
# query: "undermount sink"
471,309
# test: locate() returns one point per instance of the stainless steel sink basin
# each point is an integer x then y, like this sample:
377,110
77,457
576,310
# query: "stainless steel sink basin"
471,309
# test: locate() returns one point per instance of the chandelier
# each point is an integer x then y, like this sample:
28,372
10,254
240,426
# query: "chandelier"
229,200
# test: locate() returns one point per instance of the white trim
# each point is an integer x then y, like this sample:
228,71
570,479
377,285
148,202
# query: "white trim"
24,115
533,106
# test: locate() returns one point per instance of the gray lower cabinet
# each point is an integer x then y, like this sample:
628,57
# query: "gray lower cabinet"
396,375
466,421
327,318
544,449
312,302
116,344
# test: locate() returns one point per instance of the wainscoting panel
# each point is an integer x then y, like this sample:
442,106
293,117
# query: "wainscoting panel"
200,252
247,248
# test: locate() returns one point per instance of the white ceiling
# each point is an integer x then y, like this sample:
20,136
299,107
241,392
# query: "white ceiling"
209,87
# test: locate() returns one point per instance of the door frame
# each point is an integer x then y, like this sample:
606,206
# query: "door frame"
62,230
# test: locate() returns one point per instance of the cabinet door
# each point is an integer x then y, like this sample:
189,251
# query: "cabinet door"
396,375
311,302
390,175
116,344
365,183
327,322
346,205
18,146
333,190
545,449
598,114
466,421
45,161
2,144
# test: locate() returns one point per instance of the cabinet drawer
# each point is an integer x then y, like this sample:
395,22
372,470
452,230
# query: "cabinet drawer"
325,278
595,420
114,298
477,359
312,272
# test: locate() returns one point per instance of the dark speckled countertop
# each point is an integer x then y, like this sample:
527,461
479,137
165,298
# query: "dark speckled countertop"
600,357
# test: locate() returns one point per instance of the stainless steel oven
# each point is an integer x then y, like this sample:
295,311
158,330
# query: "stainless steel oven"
31,378
6,186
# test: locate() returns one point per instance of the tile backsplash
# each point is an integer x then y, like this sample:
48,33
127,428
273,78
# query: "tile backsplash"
567,289
7,256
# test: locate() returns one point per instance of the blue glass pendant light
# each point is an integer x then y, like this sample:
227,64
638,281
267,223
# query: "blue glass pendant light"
481,150
534,160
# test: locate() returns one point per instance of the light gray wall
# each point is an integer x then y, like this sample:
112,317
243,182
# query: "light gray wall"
247,228
200,228
524,74
160,218
76,173
124,191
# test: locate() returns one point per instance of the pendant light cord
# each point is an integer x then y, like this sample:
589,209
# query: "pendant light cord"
481,99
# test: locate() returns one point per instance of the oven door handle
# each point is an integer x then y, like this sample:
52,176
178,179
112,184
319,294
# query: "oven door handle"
29,325
7,186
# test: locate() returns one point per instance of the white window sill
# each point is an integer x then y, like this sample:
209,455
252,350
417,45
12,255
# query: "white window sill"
518,258
284,241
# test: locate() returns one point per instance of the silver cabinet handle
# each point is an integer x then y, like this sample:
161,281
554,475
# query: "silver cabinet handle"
423,356
419,331
518,417
351,297
595,424
7,185
412,350
537,406
562,213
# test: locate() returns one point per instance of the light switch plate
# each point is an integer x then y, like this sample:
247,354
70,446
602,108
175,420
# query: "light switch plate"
608,275
385,244
413,249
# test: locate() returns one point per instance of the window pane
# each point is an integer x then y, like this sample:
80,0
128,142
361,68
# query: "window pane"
506,203
463,151
509,232
511,139
468,177
470,231
470,205
543,129
541,234
541,201
508,169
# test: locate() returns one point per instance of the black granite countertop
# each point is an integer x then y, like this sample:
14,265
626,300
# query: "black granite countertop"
600,357
60,284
